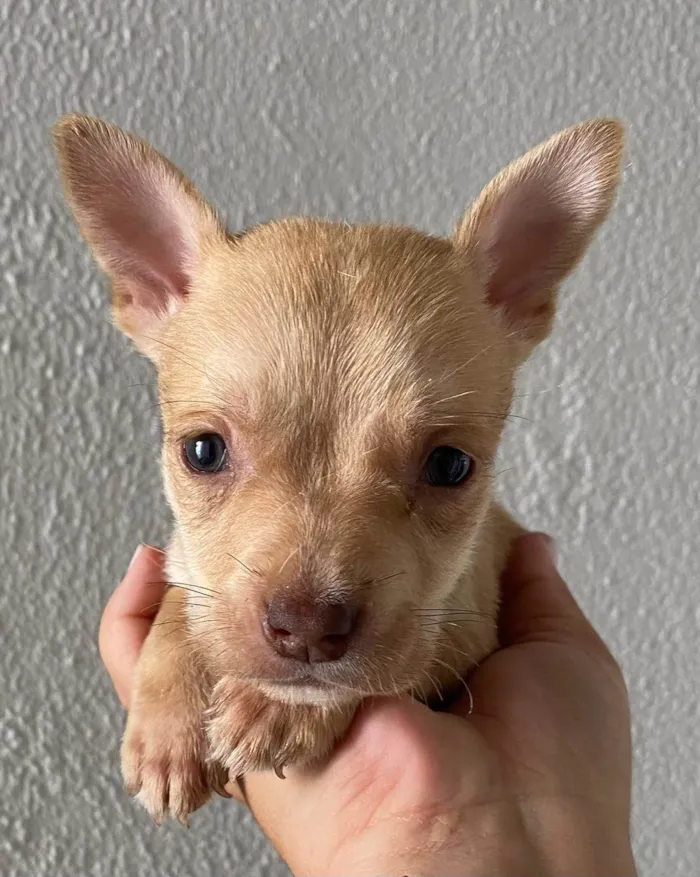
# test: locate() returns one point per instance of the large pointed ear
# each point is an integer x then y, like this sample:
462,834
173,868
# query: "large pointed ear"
146,224
534,221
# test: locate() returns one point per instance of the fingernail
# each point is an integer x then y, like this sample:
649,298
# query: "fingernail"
152,547
139,551
135,557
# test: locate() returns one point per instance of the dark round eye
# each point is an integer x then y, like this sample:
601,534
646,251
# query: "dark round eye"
448,467
206,452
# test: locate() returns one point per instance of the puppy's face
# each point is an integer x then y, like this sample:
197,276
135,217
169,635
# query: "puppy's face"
332,396
358,384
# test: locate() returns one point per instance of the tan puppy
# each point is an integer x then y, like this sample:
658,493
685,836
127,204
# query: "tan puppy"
333,398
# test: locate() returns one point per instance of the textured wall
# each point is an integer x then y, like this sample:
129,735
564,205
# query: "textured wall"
364,109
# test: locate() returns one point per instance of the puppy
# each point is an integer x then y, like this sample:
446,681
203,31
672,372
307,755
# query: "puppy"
332,398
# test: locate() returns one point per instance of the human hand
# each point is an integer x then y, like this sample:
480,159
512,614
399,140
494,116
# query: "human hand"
535,781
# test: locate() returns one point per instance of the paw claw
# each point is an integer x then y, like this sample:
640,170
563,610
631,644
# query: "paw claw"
219,781
249,732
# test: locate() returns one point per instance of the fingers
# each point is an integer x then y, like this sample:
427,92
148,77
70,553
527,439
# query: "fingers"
128,616
537,603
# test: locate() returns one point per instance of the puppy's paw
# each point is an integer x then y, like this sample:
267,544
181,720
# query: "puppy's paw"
247,731
164,762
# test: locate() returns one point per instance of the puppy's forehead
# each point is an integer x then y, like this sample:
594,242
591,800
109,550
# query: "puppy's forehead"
321,314
323,277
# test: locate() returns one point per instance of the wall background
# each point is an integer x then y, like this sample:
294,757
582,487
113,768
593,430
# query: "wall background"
361,109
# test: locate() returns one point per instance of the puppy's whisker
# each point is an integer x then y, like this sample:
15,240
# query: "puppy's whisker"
200,594
502,472
225,629
175,350
187,362
373,582
202,371
431,626
370,451
441,613
476,356
174,645
217,656
281,508
144,612
435,683
185,585
466,618
454,648
419,685
456,396
289,557
193,589
253,572
498,416
471,698
451,616
539,392
452,670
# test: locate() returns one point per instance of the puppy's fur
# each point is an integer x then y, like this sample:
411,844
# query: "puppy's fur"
332,358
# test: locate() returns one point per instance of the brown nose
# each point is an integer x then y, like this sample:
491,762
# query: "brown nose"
310,631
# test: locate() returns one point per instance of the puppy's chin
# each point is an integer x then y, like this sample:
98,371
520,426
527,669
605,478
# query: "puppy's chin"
310,692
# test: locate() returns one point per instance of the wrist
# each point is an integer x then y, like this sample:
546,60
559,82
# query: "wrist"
582,839
495,841
491,841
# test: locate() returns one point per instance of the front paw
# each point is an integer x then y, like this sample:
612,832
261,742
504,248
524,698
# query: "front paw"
248,732
164,761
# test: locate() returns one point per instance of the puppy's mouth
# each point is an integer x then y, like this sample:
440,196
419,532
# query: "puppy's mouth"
309,689
333,681
310,681
305,681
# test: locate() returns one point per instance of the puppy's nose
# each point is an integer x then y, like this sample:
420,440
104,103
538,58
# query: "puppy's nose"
306,630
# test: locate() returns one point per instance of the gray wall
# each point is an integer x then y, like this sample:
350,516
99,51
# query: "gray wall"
361,109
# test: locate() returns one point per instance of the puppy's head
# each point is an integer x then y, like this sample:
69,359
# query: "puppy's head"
332,395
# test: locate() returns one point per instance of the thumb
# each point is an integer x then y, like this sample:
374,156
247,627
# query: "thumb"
128,616
537,603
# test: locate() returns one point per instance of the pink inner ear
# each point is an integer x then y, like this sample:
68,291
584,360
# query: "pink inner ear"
520,264
534,221
146,233
524,241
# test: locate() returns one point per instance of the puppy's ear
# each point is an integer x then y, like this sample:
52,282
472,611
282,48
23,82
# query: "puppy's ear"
146,224
534,221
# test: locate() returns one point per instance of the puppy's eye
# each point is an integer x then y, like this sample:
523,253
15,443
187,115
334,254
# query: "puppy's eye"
206,452
448,467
